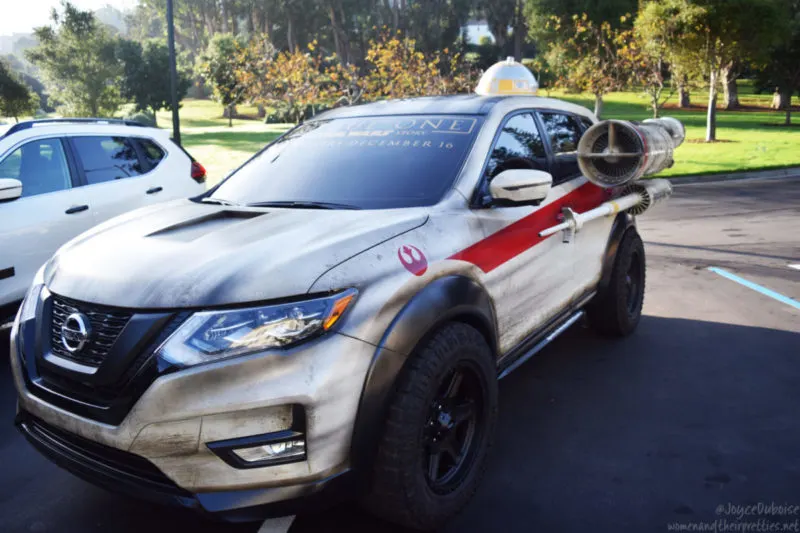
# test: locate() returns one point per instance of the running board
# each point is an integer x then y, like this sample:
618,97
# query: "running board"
574,317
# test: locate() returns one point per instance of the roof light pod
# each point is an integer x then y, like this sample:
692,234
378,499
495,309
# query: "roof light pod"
507,78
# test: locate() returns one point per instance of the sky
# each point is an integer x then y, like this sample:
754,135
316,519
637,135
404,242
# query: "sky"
37,12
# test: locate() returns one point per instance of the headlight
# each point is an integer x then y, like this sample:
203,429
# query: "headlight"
28,309
212,335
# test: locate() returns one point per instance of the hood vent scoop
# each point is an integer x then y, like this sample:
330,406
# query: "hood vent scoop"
192,229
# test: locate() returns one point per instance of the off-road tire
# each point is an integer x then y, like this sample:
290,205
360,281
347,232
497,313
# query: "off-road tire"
400,490
612,313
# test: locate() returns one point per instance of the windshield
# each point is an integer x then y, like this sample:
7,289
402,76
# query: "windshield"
362,163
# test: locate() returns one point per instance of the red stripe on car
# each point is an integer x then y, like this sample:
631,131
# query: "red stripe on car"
523,234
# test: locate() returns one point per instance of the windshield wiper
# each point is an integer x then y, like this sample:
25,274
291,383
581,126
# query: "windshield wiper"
303,205
216,201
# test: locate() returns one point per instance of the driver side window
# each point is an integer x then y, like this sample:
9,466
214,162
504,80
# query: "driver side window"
519,145
40,165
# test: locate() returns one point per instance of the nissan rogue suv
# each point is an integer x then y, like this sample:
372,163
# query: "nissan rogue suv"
332,319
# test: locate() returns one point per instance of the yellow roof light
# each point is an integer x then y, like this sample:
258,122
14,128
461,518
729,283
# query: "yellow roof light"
507,78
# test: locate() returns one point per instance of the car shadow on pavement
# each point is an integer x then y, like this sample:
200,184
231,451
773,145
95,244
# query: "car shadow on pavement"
593,434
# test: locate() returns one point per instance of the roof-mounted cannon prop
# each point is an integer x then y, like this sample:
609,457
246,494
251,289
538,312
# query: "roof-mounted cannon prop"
614,154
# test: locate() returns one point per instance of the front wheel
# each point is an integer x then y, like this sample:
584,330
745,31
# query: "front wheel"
439,429
617,310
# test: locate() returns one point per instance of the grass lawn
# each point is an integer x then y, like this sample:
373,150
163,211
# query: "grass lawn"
220,149
749,139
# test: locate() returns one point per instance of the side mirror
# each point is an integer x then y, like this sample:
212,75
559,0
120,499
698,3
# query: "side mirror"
10,189
520,186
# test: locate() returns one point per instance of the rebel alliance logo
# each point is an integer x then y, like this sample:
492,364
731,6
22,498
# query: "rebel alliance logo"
413,259
75,332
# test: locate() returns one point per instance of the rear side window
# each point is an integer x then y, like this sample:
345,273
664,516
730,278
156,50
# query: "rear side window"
152,152
564,131
107,158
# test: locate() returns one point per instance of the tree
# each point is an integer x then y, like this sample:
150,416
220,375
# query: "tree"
29,75
727,31
77,59
502,15
295,81
659,29
587,58
16,99
145,79
781,70
540,12
399,69
219,67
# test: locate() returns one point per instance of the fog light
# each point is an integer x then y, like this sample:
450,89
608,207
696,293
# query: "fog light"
274,452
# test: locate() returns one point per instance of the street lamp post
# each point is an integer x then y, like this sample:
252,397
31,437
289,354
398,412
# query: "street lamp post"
173,76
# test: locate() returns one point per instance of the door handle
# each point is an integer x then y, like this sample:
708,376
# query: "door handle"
76,209
153,190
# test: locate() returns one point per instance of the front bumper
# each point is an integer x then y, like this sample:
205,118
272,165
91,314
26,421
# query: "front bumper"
129,474
167,431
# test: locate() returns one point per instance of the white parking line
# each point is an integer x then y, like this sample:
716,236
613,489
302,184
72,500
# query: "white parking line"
277,525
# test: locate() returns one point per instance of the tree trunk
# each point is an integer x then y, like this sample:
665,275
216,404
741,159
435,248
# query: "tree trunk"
780,99
731,91
518,43
787,95
251,23
230,111
262,111
598,105
268,25
711,118
339,34
224,16
683,96
290,38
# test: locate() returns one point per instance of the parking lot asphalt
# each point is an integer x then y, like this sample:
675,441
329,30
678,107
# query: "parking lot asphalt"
695,412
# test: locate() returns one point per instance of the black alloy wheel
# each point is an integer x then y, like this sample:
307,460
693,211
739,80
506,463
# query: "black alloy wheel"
452,427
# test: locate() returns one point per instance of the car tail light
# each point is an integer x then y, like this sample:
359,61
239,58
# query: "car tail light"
198,172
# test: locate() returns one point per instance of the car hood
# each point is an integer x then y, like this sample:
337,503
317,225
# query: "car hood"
185,254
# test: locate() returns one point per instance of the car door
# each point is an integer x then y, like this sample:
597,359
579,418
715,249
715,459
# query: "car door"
115,174
527,277
52,210
564,131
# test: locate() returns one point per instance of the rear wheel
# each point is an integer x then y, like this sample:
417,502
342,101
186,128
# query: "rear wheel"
617,310
438,432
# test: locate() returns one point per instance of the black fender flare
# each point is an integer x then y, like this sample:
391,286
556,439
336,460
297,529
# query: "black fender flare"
622,224
445,299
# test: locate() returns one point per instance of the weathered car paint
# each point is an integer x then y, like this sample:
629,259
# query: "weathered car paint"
258,254
447,298
236,397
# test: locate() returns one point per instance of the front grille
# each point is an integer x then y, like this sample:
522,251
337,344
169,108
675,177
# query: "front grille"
96,461
106,326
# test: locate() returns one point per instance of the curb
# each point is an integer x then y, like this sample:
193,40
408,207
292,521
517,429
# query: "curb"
771,174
